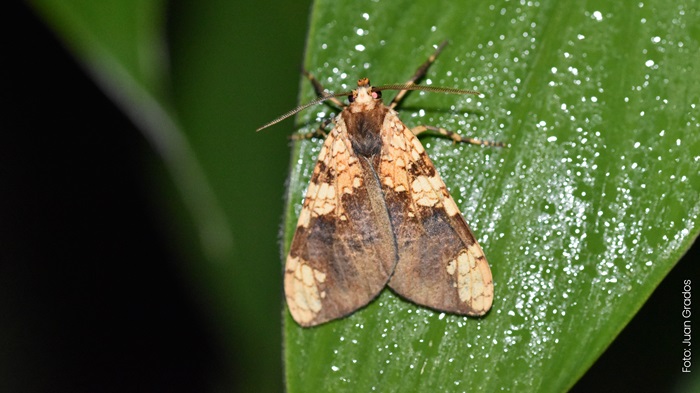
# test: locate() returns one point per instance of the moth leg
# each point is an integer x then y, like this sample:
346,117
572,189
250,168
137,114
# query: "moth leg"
320,132
318,88
420,72
455,137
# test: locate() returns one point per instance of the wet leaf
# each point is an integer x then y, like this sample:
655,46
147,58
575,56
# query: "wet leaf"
593,202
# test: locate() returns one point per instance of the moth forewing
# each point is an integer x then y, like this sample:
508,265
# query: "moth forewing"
441,265
343,251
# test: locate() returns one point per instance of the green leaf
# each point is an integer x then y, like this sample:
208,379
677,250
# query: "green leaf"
594,201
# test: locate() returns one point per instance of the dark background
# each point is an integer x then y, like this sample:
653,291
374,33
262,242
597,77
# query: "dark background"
90,299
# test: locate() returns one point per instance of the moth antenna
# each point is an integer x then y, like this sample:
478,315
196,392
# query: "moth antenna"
435,89
302,107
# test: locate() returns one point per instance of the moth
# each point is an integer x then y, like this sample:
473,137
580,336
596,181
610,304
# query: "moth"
377,213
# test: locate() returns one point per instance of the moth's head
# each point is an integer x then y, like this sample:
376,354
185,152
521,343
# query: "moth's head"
364,93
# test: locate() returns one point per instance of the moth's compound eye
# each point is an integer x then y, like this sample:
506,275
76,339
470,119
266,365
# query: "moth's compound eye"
377,94
351,98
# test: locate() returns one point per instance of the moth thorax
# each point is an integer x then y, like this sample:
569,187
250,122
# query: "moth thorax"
364,128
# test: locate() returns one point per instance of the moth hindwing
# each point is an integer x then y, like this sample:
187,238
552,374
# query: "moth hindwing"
377,213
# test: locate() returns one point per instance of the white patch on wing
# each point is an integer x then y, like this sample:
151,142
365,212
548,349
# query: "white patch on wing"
302,290
474,282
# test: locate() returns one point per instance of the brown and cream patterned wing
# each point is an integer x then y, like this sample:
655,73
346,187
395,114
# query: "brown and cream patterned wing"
343,251
441,265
